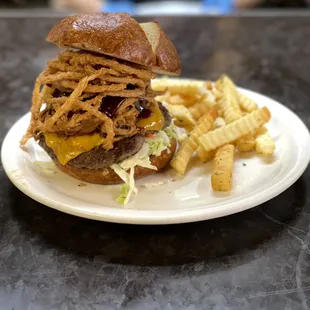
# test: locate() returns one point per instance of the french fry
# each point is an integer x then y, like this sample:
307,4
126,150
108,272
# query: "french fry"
260,131
219,122
209,85
221,177
176,100
190,145
209,100
205,124
189,88
232,112
165,97
229,102
198,110
218,96
264,142
233,131
160,84
183,156
212,112
247,104
203,155
218,84
221,113
182,115
246,143
179,88
162,98
218,119
182,100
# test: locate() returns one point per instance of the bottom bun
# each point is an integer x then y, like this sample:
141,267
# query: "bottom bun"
108,176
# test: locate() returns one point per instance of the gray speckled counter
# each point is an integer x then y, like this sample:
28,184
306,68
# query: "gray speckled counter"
259,259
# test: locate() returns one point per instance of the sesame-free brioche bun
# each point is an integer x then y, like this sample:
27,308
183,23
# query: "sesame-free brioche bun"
167,58
118,35
108,176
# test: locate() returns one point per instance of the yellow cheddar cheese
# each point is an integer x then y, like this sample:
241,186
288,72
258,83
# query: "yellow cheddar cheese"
155,122
68,148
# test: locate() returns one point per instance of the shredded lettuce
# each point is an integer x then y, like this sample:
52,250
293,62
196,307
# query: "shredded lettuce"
152,146
121,173
123,196
178,133
171,131
158,144
142,158
128,188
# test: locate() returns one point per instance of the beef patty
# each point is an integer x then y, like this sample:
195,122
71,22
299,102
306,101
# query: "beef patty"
99,158
166,114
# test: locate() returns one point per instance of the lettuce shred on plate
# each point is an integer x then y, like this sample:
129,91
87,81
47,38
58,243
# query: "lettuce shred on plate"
45,167
152,146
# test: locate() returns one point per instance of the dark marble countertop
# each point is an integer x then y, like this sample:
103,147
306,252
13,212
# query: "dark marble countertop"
259,259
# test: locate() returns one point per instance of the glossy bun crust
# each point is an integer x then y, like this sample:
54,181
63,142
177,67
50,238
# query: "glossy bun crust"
113,34
120,36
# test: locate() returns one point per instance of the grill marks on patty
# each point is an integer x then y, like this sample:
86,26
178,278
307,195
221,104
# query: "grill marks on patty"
99,158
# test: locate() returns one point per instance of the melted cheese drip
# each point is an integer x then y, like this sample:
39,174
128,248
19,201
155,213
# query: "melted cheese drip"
155,122
68,148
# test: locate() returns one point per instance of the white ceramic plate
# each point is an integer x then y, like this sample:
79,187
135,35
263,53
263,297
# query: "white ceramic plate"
177,200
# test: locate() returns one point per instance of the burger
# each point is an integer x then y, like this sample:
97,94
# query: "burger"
93,108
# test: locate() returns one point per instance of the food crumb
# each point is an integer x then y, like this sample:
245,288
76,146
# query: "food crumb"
82,185
244,164
152,185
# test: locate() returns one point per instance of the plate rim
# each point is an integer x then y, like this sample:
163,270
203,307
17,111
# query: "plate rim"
141,217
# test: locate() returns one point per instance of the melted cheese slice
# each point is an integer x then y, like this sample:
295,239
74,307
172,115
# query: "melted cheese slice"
68,148
155,122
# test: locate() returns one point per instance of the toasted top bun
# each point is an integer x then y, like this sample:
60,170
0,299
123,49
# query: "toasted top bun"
108,176
167,58
113,34
118,35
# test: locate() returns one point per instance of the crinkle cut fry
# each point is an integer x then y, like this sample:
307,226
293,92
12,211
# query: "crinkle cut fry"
234,131
190,145
221,177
